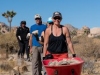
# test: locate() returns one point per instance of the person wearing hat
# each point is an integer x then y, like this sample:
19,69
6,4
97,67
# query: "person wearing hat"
41,41
22,35
57,40
49,23
35,46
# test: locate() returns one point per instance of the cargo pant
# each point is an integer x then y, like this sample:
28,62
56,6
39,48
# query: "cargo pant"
36,60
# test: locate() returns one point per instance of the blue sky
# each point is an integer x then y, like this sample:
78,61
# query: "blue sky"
75,12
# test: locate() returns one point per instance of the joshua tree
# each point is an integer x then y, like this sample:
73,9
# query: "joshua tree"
9,15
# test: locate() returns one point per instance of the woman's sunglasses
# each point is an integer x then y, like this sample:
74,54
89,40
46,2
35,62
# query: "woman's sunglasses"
38,19
59,18
51,23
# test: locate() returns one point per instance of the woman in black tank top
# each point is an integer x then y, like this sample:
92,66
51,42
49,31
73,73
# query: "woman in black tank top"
57,44
57,38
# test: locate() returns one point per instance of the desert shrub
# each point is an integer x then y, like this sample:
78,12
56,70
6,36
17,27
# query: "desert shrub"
89,50
5,67
87,47
10,39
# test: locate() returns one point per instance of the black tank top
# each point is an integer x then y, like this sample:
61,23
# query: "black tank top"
57,44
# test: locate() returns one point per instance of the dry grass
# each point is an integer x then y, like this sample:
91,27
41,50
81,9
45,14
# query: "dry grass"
9,38
86,48
89,50
11,66
4,66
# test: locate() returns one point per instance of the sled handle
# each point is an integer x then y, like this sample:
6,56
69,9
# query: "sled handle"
72,71
56,72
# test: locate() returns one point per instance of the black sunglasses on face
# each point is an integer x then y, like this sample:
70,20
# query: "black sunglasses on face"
59,18
51,23
38,19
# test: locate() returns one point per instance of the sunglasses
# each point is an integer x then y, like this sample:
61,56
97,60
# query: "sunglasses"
38,19
51,23
59,18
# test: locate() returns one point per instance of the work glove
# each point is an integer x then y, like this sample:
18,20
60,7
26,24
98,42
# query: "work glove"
43,58
28,35
74,55
35,32
40,38
48,56
19,38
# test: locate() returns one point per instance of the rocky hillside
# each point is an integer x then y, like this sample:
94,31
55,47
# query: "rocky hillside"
5,28
71,28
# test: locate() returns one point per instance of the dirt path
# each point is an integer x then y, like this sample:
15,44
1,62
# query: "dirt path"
22,62
29,65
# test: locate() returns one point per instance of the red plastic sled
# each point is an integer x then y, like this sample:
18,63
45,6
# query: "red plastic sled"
74,69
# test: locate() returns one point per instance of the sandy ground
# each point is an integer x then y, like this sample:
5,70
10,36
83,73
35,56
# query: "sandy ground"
29,67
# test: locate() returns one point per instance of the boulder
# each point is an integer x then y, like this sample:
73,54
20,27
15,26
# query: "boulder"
94,32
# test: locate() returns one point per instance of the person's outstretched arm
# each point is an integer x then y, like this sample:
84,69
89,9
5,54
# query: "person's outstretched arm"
30,43
30,39
46,38
69,42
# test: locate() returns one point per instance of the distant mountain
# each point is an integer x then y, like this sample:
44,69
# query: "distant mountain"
71,28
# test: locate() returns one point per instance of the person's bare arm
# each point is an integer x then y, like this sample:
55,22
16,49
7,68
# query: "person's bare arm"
30,42
46,38
68,39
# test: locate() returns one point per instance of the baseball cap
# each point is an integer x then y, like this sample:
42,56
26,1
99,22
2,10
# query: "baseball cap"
23,22
57,14
37,16
49,20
